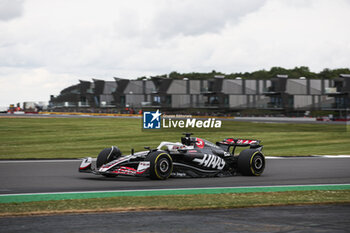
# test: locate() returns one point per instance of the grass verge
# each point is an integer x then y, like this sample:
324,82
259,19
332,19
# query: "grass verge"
33,138
175,202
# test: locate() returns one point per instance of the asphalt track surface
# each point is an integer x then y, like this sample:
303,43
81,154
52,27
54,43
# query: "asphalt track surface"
318,218
45,176
62,176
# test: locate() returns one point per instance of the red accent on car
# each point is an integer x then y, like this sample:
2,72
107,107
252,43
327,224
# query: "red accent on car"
139,173
128,168
239,141
82,168
199,143
245,142
125,171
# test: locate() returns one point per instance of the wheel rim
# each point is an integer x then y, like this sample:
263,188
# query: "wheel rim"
258,163
164,165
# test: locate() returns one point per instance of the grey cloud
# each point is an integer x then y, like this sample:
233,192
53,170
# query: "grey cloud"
190,17
10,9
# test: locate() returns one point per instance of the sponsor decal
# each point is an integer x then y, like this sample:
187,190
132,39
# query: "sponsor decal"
125,171
200,143
240,141
211,144
143,166
227,154
178,174
245,142
212,161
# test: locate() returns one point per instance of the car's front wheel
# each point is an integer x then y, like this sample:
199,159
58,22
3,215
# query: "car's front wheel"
161,165
251,162
107,155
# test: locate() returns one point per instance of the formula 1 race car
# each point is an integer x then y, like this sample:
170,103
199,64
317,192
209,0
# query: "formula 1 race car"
193,157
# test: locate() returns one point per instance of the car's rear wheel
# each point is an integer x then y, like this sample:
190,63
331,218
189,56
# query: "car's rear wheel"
107,155
161,165
251,162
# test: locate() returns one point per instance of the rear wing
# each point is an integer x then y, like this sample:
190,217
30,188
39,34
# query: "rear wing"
228,142
240,142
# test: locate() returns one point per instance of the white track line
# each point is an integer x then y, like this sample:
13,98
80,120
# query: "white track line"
334,156
173,189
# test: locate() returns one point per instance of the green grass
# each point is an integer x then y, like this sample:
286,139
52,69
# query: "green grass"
176,202
23,138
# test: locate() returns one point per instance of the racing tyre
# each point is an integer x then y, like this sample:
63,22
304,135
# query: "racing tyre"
107,155
161,165
251,162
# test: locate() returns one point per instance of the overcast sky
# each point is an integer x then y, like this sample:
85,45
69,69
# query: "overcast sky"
46,46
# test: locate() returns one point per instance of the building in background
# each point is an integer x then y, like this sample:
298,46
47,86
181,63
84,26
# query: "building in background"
280,94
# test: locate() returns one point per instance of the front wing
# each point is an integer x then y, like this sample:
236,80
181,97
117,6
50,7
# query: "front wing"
87,166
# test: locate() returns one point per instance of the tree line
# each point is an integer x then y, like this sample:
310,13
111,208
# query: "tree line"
297,72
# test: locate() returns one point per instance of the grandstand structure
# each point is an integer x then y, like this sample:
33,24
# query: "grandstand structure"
277,94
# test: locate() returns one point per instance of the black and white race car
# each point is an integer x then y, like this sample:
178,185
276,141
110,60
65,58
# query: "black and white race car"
193,157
